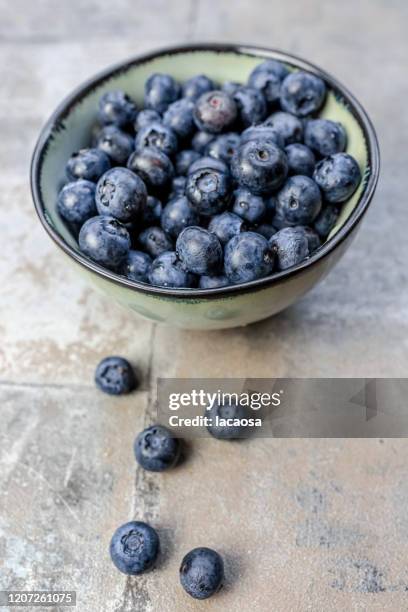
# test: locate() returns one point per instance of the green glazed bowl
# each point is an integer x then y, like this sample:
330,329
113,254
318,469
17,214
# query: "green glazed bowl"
69,129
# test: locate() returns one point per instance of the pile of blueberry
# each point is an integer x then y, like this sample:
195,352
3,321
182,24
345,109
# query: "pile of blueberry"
210,186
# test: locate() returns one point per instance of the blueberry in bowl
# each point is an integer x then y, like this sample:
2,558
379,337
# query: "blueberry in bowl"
271,162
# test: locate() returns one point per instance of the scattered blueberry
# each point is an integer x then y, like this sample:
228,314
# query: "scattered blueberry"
105,240
115,376
121,194
219,413
179,117
76,202
199,250
157,135
290,245
260,166
168,271
146,117
289,127
215,112
154,241
156,449
326,220
177,215
248,206
268,77
116,108
226,225
213,282
325,137
88,164
247,257
134,548
338,176
201,140
224,146
202,573
302,93
136,266
251,104
196,86
115,143
209,191
160,91
301,159
184,159
153,166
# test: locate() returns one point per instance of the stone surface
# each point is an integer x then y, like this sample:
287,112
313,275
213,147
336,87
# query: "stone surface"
303,524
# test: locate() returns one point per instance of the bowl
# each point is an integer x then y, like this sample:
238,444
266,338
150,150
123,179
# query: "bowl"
70,126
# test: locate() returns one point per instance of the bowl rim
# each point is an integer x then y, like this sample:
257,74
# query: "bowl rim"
56,119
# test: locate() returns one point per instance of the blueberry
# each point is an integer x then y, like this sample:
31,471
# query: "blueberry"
226,225
121,194
290,246
153,166
134,548
251,105
326,220
116,108
196,86
224,146
266,230
168,271
221,416
115,143
184,159
157,135
202,572
338,176
270,206
298,202
199,250
160,91
209,191
152,211
268,77
230,87
146,117
325,137
201,140
215,112
301,159
260,166
105,240
313,239
302,93
88,164
179,117
154,241
178,187
213,282
208,162
262,132
115,376
248,206
76,202
177,215
247,257
289,127
136,266
156,449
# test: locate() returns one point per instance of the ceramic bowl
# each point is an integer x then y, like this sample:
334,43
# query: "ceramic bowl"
69,129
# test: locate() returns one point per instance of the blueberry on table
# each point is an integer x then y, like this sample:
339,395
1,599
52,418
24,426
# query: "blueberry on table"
116,108
226,225
152,165
251,104
199,250
224,146
121,193
326,220
338,176
154,241
220,414
193,88
215,112
179,117
268,77
134,548
118,145
88,164
157,135
209,191
290,246
156,449
177,215
168,271
247,257
200,141
207,162
301,159
146,117
248,206
260,166
160,91
105,240
313,239
213,282
298,202
202,572
289,127
136,266
152,211
76,202
302,93
115,376
325,137
184,159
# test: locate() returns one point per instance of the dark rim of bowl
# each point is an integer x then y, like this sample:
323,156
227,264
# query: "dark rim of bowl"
66,106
